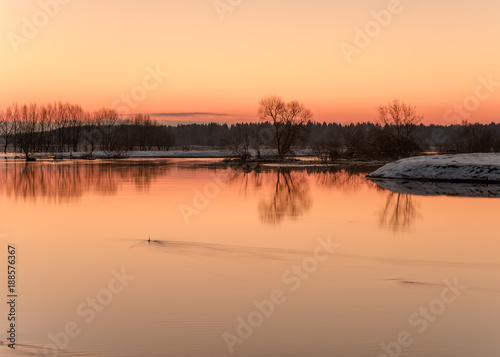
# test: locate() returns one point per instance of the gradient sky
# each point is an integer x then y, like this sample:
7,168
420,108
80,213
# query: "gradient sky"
431,54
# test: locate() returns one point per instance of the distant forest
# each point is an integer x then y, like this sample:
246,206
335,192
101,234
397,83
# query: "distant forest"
361,140
63,127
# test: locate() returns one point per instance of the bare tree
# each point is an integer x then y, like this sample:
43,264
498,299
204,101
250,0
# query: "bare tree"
288,119
144,131
475,138
92,133
111,131
28,127
239,144
76,117
63,126
45,127
353,138
163,137
7,127
401,119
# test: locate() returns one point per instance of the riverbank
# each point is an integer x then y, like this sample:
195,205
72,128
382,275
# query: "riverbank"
205,158
462,168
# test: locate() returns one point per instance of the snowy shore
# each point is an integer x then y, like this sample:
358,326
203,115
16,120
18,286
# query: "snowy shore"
463,168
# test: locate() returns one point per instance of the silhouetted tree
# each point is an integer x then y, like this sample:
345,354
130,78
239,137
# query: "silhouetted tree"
27,129
240,143
63,127
7,127
401,120
109,129
476,138
288,119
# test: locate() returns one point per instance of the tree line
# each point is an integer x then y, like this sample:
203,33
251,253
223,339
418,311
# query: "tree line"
367,140
65,127
398,132
284,128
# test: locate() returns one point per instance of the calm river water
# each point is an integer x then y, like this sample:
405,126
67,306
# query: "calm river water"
163,258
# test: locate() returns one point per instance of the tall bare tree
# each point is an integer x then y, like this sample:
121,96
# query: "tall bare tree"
288,119
28,129
76,117
92,132
110,130
7,127
401,120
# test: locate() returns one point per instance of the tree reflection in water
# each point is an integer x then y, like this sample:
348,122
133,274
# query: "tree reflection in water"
400,212
67,182
285,193
351,179
291,198
248,181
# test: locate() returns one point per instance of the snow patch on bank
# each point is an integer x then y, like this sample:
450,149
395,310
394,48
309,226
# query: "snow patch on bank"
478,168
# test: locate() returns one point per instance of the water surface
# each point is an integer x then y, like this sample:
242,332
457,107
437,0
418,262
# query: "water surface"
204,245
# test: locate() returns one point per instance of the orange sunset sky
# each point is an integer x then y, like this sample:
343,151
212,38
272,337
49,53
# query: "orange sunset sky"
429,53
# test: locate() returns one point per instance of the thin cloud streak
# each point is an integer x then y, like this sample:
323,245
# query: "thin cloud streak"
189,114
